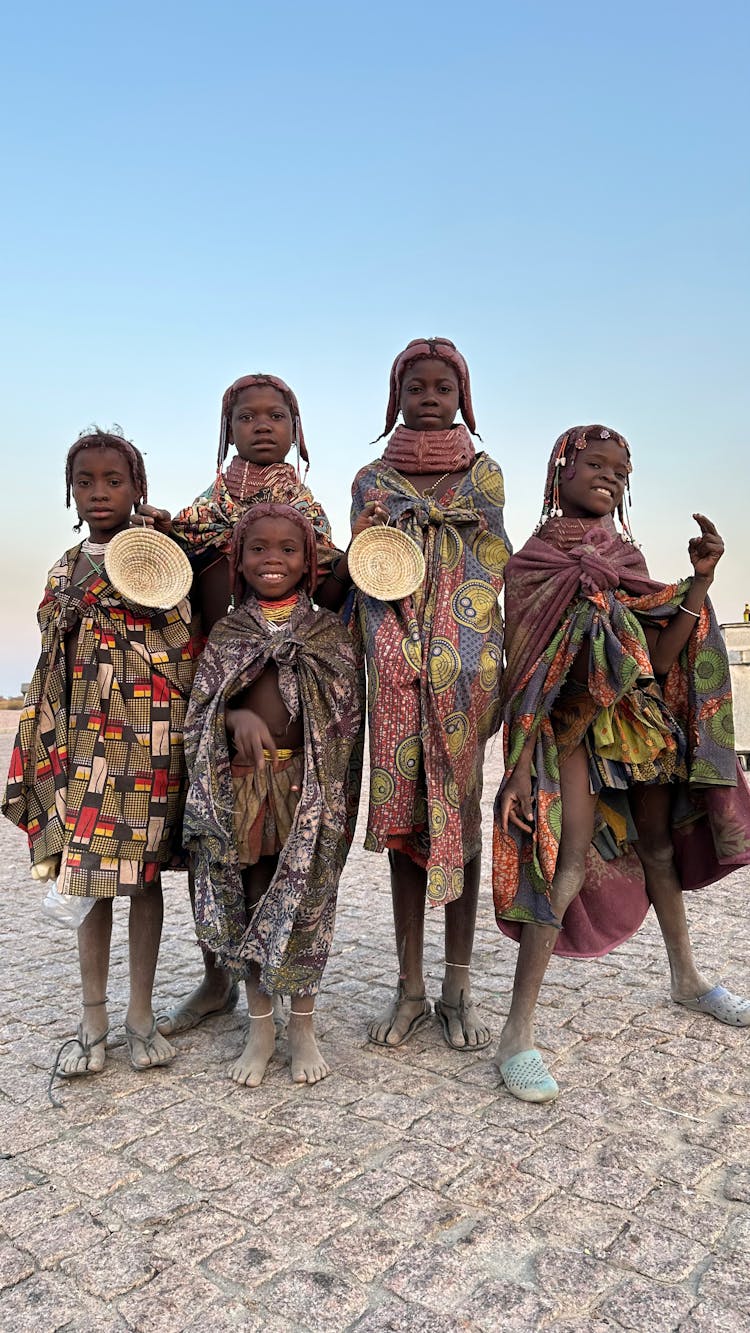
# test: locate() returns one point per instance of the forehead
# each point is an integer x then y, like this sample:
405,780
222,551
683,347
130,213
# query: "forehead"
430,368
605,451
258,397
274,529
94,458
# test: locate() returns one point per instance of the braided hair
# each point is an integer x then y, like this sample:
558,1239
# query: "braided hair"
94,438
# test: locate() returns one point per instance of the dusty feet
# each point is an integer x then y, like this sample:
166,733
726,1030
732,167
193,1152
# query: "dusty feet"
217,994
307,1063
406,1014
86,1052
149,1049
259,1047
463,1026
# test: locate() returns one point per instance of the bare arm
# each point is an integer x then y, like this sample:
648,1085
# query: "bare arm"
705,553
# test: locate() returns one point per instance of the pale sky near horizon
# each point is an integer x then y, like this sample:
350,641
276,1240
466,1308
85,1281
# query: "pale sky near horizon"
197,191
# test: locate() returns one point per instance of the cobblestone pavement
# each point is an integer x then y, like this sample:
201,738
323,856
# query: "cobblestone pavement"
406,1192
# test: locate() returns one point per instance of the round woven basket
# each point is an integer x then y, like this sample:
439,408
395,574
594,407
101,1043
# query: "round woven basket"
385,563
148,568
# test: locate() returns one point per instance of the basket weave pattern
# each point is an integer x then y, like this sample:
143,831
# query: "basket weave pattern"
148,568
385,563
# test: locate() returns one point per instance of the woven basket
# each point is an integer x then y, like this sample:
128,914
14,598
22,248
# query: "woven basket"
385,563
148,568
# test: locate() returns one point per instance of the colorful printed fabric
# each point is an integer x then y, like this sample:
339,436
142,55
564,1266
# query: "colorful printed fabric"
208,523
290,932
103,785
265,803
434,662
579,581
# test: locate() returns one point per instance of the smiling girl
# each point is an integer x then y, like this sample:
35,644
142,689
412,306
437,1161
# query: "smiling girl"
618,731
273,719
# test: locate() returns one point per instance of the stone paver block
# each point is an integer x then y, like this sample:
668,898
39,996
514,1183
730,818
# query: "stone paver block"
639,1304
656,1252
727,1282
436,1276
317,1300
15,1265
120,1264
167,1303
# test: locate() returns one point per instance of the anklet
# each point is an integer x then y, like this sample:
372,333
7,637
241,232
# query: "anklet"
94,1004
268,1015
467,966
303,1013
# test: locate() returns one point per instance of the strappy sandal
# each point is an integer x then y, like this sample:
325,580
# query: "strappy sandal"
182,1018
443,1010
416,1022
86,1047
149,1043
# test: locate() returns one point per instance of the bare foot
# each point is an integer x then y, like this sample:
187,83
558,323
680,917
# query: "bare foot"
463,1025
148,1048
398,1022
216,994
308,1065
88,1049
259,1047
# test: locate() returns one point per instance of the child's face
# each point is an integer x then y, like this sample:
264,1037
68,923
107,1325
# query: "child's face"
262,425
601,475
103,491
429,395
273,558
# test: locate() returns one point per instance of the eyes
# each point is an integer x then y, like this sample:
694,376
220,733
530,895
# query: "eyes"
620,475
275,416
82,482
439,388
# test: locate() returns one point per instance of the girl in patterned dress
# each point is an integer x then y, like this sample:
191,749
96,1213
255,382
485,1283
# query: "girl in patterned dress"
273,721
97,777
260,417
433,662
618,730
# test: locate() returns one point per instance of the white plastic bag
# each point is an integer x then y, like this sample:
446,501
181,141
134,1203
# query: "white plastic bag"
64,909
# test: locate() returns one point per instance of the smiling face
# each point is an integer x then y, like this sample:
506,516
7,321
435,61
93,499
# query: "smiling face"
429,395
273,558
103,491
262,426
599,480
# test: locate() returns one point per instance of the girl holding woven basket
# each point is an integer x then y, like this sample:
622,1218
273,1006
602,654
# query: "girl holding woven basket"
260,418
97,776
434,661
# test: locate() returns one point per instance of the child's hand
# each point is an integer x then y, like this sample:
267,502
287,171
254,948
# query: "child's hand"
515,801
705,551
147,516
372,515
251,737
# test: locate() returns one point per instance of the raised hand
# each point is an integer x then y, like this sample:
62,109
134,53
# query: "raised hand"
705,551
148,516
372,516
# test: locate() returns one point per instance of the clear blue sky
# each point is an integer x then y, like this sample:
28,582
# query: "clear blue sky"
196,191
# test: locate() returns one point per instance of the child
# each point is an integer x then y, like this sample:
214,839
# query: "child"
433,662
260,416
595,746
97,773
269,829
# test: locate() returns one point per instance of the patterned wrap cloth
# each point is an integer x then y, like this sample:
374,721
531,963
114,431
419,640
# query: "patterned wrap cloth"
290,932
104,785
579,580
205,527
434,662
